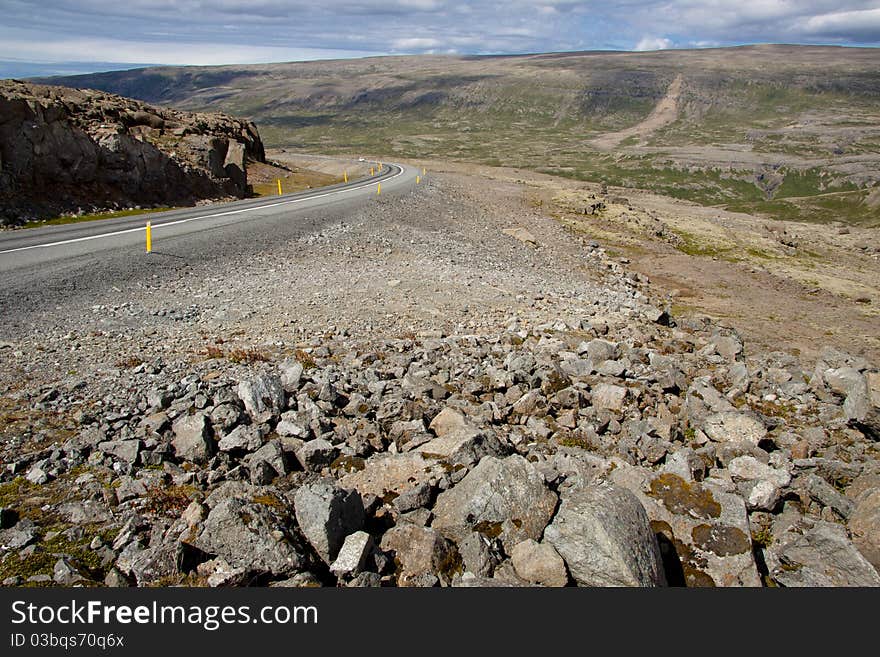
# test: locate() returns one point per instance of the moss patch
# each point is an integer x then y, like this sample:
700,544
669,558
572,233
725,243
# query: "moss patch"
723,540
683,498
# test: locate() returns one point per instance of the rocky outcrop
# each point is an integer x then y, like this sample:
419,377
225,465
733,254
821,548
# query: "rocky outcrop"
64,150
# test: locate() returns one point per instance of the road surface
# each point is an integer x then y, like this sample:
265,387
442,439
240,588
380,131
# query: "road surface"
53,265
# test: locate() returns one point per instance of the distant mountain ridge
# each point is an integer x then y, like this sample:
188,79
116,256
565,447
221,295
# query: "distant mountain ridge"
752,125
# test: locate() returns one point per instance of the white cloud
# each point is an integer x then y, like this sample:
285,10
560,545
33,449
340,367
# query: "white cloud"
196,54
866,21
653,43
415,43
239,31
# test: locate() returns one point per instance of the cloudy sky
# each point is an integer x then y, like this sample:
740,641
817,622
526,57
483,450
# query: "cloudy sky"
82,35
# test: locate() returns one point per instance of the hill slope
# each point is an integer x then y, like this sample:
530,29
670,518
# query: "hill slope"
759,128
62,149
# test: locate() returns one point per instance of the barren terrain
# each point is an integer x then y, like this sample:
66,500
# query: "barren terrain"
416,392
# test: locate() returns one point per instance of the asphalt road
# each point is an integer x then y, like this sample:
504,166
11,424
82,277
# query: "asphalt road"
54,265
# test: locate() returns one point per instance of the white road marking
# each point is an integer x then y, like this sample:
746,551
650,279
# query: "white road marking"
205,216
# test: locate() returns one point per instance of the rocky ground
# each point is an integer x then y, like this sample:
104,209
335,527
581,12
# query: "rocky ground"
445,388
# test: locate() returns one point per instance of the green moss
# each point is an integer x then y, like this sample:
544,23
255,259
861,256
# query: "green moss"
42,560
683,498
722,540
489,529
348,464
762,537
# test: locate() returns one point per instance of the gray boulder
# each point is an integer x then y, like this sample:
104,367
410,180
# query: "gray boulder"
246,438
458,441
604,535
539,563
353,555
315,454
500,498
608,396
864,524
422,555
251,536
704,524
191,438
326,515
822,556
263,397
733,426
126,451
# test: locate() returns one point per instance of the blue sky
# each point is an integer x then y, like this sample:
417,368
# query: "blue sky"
84,35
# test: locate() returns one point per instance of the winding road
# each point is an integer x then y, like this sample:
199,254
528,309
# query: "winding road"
25,248
54,265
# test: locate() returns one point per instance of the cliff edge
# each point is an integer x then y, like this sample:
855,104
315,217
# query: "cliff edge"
64,150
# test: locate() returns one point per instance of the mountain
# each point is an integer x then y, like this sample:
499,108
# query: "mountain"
792,131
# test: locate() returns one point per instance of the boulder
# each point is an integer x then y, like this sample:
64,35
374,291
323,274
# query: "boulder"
126,451
703,528
327,514
864,524
251,536
246,438
822,556
759,484
315,454
272,455
500,498
422,556
599,350
191,438
604,535
458,441
733,426
262,396
608,396
389,475
353,555
539,563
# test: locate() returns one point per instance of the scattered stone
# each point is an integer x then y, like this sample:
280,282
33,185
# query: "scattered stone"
500,498
327,514
605,538
263,397
191,438
353,555
539,563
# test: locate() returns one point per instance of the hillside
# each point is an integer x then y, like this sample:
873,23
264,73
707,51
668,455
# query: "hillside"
63,150
788,131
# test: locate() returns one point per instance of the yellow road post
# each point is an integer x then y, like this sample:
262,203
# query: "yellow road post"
418,179
378,189
279,186
345,176
372,171
149,237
